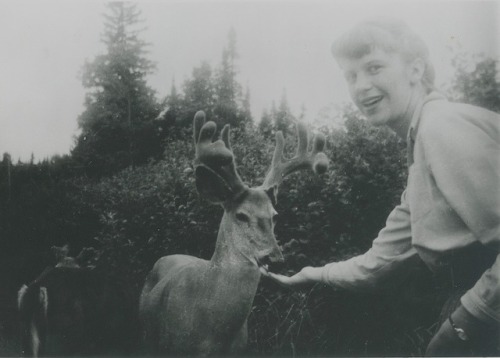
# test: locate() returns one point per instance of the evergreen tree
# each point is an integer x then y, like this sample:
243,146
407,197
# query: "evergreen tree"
266,125
283,118
303,111
172,105
273,112
227,89
6,170
116,124
246,111
480,85
198,93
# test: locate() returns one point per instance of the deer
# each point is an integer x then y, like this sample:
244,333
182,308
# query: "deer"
73,310
192,306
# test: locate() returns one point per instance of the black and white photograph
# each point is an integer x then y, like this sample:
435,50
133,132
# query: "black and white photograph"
251,178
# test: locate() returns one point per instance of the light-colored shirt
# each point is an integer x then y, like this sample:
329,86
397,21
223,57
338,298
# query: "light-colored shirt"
452,201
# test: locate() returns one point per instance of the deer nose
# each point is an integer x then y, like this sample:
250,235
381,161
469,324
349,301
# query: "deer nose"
269,256
276,256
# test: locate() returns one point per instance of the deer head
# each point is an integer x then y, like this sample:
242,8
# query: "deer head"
249,213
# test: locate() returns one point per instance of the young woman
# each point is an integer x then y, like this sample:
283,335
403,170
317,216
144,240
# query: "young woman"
449,215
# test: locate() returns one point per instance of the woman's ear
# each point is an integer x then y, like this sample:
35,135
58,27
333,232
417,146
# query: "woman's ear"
417,69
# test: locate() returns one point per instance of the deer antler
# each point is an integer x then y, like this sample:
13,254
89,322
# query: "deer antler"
315,159
215,156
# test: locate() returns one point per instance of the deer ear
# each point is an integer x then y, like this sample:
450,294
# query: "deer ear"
211,185
272,192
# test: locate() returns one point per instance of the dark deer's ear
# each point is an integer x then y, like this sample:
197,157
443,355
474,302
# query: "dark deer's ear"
272,192
211,185
20,295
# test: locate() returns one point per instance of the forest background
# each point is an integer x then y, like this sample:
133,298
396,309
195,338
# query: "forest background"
127,192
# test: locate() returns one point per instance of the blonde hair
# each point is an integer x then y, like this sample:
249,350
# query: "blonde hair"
390,35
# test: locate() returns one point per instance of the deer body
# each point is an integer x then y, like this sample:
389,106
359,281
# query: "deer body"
70,310
194,306
206,311
204,314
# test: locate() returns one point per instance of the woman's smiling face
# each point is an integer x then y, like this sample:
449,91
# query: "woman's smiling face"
380,84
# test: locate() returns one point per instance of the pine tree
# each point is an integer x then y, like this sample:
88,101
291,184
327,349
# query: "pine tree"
283,118
199,93
172,106
7,166
227,89
476,81
266,124
246,111
117,121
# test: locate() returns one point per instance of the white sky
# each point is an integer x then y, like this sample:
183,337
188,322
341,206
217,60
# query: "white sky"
282,45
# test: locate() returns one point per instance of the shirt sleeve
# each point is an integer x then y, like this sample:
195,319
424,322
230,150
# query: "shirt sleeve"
387,256
464,157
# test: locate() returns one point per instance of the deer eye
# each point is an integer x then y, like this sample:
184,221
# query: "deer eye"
275,218
242,217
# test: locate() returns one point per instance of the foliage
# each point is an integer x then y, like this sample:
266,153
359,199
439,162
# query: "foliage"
280,119
117,127
476,81
151,211
330,219
199,93
142,213
227,89
133,214
216,91
321,321
266,124
283,118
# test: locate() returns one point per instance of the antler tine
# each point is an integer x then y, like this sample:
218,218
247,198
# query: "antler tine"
208,152
216,155
315,160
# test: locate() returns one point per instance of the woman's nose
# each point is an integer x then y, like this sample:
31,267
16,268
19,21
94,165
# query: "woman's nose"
362,83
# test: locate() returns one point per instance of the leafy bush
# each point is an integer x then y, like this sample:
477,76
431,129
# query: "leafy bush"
331,218
151,209
154,210
143,213
149,212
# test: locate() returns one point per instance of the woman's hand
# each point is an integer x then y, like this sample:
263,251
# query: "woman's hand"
306,277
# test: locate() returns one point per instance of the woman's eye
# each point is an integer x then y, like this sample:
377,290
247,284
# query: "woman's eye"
373,70
242,217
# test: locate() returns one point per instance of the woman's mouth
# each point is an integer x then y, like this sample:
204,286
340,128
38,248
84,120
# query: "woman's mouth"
370,102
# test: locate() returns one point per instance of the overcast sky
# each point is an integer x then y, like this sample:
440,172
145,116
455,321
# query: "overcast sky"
283,45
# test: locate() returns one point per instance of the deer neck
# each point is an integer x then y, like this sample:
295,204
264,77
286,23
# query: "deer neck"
230,259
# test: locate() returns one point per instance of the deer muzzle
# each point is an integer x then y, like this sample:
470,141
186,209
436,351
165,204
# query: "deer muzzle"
269,257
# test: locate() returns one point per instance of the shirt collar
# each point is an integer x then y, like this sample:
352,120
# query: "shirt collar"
415,121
